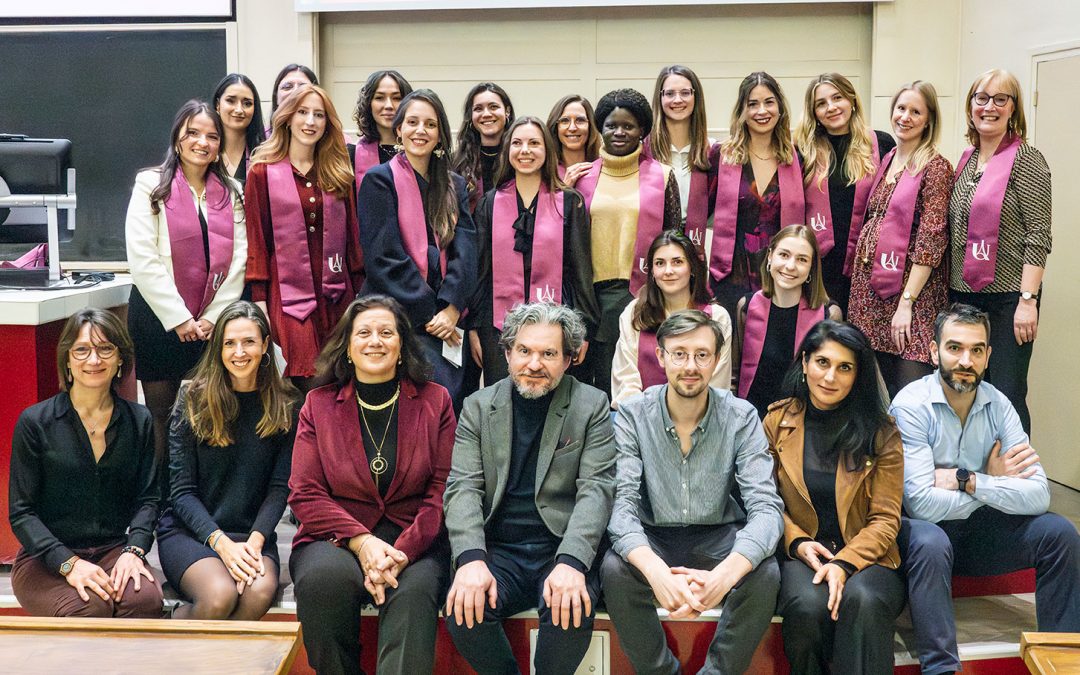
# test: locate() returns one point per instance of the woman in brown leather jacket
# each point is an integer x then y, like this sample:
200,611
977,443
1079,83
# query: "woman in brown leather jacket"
840,470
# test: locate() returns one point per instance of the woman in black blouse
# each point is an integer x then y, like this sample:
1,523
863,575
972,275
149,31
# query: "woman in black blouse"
528,213
230,448
488,111
84,490
236,101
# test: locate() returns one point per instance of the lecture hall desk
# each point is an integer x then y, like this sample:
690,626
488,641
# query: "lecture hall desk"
30,324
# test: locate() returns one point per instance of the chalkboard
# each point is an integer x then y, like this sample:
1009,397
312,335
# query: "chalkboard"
113,93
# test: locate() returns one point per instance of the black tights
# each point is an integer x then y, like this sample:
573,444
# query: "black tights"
160,396
899,373
213,593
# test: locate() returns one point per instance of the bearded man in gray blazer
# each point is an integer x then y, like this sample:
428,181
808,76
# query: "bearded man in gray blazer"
529,497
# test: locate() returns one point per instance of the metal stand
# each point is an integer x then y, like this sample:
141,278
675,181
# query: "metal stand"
52,204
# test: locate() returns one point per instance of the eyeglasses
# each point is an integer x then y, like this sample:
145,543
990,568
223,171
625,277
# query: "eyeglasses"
579,121
1000,100
681,93
679,357
82,352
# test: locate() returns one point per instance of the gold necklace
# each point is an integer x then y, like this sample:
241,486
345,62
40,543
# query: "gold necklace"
764,159
90,424
378,463
382,406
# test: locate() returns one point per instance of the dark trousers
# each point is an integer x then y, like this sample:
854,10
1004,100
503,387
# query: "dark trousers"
860,641
442,371
495,367
330,593
520,571
1009,362
43,592
747,609
986,543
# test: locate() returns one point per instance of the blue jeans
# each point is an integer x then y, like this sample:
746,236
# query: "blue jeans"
988,542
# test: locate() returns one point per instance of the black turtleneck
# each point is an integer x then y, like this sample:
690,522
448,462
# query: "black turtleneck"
488,158
820,462
379,422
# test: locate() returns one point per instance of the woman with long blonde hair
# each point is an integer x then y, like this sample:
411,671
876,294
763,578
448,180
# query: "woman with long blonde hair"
759,188
230,452
898,282
304,261
840,154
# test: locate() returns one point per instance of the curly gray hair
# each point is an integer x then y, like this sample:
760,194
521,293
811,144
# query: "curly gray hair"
573,328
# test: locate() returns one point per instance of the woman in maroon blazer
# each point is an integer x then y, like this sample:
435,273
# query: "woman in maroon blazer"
371,523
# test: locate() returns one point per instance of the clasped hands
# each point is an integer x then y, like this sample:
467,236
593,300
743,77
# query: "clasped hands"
380,562
686,592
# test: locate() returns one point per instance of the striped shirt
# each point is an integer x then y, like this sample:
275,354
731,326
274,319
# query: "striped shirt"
1024,237
657,486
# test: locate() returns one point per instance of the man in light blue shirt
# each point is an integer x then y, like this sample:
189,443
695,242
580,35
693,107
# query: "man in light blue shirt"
975,493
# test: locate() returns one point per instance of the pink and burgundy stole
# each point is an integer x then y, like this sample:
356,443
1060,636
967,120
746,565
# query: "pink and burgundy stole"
757,326
819,210
697,209
196,284
365,156
508,266
984,218
648,366
890,254
651,188
290,244
726,209
410,216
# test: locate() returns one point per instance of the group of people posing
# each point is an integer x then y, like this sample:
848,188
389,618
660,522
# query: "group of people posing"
318,337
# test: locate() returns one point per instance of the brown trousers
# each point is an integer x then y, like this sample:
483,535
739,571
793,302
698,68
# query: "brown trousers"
43,592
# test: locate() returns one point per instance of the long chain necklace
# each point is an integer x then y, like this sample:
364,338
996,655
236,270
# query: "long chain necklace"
378,463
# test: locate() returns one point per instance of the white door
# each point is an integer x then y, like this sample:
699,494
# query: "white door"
1054,380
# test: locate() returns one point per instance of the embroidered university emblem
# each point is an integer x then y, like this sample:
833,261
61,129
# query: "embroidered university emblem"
641,265
545,294
890,261
334,263
817,223
980,251
219,278
695,236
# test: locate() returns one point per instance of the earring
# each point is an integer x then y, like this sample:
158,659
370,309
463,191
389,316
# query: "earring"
348,357
119,370
398,146
768,266
439,152
69,376
808,278
265,360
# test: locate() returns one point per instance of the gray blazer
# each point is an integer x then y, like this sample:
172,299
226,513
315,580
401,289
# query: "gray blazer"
575,471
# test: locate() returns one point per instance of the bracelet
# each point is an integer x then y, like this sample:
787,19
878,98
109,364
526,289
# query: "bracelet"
363,544
214,539
138,552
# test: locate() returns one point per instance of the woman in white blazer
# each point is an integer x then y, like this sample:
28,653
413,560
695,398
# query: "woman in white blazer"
187,250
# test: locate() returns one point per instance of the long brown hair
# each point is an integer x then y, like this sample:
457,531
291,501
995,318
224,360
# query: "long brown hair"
592,145
467,158
812,138
332,166
549,171
440,201
171,164
660,140
210,404
649,311
814,289
736,149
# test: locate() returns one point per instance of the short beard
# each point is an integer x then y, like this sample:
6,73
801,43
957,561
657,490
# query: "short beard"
962,387
527,393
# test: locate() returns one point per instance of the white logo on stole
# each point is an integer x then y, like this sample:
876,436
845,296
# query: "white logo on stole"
641,265
817,223
219,278
545,294
890,261
695,236
334,263
980,251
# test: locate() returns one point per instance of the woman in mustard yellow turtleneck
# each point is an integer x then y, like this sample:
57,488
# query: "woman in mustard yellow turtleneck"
631,198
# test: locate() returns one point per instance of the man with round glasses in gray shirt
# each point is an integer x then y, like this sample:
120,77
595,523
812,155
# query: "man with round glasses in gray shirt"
679,537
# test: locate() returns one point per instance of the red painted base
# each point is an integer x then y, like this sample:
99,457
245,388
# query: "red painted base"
1016,582
29,356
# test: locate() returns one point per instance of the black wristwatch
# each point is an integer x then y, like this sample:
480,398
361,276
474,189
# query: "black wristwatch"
962,477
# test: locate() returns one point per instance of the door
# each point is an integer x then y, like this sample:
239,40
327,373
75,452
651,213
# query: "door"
1054,380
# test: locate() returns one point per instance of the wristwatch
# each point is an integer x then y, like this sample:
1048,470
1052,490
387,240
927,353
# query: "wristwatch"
908,296
962,477
1027,295
68,565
